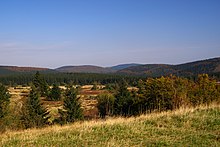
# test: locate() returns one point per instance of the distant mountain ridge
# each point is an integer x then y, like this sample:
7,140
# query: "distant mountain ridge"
84,69
152,70
94,69
16,69
123,66
186,69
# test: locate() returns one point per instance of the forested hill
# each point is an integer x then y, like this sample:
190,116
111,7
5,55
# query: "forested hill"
7,70
84,69
123,66
94,69
209,66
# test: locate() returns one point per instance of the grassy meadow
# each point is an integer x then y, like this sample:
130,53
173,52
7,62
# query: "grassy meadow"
19,94
198,126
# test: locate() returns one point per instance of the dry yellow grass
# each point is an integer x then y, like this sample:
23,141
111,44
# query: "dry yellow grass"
19,94
183,127
198,126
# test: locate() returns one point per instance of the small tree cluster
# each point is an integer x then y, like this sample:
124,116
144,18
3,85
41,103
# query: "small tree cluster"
205,90
4,100
72,110
33,113
4,103
123,100
40,84
55,93
161,94
105,104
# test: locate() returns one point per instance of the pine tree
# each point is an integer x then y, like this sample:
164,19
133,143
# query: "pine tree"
4,100
37,79
55,93
33,113
71,108
123,100
40,84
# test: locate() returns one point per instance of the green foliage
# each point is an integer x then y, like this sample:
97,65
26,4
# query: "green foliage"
207,89
204,91
4,100
123,101
152,94
68,78
33,113
40,84
105,104
165,93
72,110
4,106
55,93
95,87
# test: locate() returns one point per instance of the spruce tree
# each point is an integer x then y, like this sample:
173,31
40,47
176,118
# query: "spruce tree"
123,100
55,93
71,108
34,114
4,100
40,84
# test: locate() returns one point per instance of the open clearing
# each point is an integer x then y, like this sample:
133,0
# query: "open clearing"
87,99
184,127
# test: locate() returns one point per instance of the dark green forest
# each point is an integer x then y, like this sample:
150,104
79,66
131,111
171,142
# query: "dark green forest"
68,78
80,78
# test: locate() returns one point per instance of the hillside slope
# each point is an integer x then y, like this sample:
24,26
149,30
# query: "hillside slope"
85,69
94,69
187,69
5,70
209,66
123,66
185,127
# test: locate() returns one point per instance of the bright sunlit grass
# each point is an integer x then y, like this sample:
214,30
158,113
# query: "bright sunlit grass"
184,127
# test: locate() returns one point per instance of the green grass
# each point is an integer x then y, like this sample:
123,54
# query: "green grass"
185,127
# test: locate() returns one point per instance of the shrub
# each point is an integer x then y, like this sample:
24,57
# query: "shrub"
105,104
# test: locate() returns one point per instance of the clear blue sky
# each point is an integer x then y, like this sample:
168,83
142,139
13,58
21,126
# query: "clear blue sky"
52,33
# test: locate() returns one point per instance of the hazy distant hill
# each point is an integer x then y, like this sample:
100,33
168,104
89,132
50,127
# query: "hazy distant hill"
123,66
85,69
153,70
186,69
15,69
209,66
94,69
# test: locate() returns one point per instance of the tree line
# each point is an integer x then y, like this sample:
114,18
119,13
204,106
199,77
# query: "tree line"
151,94
67,78
159,94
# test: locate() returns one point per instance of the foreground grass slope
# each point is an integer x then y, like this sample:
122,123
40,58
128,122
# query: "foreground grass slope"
185,127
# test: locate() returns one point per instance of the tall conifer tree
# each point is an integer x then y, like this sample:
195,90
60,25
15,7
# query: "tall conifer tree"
34,114
4,100
72,110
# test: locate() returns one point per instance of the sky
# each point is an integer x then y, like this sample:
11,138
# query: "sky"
53,33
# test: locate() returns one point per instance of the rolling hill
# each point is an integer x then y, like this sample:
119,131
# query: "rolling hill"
94,69
6,70
187,69
84,69
123,66
210,66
